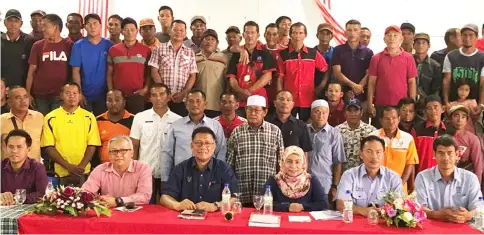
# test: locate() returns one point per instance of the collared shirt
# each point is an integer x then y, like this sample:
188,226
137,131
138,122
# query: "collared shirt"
152,130
294,132
174,66
70,134
134,185
352,141
364,189
337,114
297,69
153,45
429,80
32,177
74,39
328,149
188,182
230,126
32,124
392,75
463,190
15,56
426,134
177,147
254,154
211,77
470,153
190,44
109,129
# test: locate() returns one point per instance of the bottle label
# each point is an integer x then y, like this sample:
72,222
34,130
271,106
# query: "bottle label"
226,198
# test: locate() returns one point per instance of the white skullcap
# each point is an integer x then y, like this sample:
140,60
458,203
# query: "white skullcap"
319,103
256,100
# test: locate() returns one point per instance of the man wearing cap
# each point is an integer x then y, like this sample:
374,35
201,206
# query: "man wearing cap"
211,72
328,154
365,36
233,37
465,63
15,52
400,152
352,131
392,74
165,17
198,25
429,130
296,66
254,150
469,145
283,24
36,23
127,67
453,40
408,33
324,35
147,30
480,42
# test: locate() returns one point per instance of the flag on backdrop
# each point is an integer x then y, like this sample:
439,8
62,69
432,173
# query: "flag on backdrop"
100,7
339,32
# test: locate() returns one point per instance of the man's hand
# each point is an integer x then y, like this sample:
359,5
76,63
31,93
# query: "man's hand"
295,207
74,169
450,214
208,207
333,193
7,199
476,110
179,96
108,201
244,94
185,205
244,56
372,110
357,89
142,92
32,101
447,107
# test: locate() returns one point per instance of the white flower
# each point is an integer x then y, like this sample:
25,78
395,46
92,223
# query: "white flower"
61,201
72,198
73,205
79,205
62,206
407,216
77,199
398,204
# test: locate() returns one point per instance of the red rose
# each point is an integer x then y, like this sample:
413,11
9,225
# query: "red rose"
87,197
68,192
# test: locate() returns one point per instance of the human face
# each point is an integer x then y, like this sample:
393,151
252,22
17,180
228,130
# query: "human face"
324,37
130,32
407,112
284,27
334,93
209,44
407,36
255,115
71,95
17,150
120,153
393,39
49,29
421,46
469,39
434,111
457,39
353,32
233,38
114,27
178,32
74,24
93,27
459,119
446,157
20,100
353,115
372,155
159,97
463,91
165,18
319,116
198,28
250,35
228,104
13,25
36,23
365,37
203,147
271,36
284,103
196,103
147,32
294,165
115,102
298,34
389,121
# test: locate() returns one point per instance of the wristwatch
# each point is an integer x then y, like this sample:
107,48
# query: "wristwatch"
119,202
217,204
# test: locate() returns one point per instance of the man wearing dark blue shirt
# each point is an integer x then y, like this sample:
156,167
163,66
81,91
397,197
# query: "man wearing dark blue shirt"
197,183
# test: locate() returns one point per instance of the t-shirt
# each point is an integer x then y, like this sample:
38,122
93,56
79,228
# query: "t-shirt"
53,71
92,59
14,59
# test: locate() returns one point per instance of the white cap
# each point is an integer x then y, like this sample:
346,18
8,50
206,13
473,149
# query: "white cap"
256,100
319,103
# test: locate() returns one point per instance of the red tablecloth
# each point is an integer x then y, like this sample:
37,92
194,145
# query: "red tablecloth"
155,219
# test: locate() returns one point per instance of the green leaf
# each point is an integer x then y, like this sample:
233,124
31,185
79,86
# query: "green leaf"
71,210
97,210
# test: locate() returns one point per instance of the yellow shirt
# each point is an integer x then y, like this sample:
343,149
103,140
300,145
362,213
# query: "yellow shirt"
70,134
32,124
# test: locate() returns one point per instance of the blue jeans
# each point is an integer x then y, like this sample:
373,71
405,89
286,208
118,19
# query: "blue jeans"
46,105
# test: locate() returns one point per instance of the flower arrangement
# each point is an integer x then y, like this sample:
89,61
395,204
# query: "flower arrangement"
70,200
402,212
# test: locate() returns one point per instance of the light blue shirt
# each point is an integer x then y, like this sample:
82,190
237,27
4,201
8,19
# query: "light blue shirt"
328,149
364,189
177,149
462,191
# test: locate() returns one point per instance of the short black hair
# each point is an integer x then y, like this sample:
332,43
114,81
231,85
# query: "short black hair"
334,82
117,17
116,90
20,133
193,91
298,24
444,140
281,18
271,25
179,22
230,93
387,109
203,130
92,16
352,22
283,90
371,138
365,28
405,101
71,84
76,15
157,84
251,23
128,20
54,19
461,82
452,32
166,8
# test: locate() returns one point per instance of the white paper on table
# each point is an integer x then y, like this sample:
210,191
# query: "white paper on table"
296,218
124,209
326,215
258,220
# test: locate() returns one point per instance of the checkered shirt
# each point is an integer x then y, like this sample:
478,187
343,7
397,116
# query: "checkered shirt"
10,215
254,154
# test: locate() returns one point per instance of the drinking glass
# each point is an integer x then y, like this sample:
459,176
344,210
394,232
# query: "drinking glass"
20,196
237,206
258,202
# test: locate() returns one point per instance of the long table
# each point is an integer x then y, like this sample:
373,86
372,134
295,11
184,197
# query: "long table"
156,219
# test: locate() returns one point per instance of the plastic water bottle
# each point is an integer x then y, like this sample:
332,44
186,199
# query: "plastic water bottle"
50,188
225,207
348,208
479,215
268,201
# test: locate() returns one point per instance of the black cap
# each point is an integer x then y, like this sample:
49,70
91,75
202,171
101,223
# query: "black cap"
432,98
408,26
353,103
38,12
13,13
234,29
210,32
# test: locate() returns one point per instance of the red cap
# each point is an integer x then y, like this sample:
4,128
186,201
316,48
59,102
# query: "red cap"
393,27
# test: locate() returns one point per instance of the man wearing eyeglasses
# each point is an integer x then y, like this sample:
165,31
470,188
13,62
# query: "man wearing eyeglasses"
122,179
197,183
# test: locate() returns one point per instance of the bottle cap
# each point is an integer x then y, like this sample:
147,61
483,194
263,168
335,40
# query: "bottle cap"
226,185
268,187
481,198
348,192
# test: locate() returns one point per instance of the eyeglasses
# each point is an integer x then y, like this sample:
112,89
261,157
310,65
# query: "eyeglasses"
201,144
118,151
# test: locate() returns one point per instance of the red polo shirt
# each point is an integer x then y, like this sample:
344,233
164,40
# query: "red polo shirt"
297,69
392,74
337,114
272,88
129,66
229,127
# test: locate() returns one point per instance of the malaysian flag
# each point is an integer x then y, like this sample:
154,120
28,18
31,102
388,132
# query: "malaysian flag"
339,33
100,7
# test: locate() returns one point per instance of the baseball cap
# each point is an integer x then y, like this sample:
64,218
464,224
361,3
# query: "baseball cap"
472,27
432,98
408,26
393,27
234,29
146,22
422,36
459,107
201,18
38,12
13,13
353,103
325,26
209,32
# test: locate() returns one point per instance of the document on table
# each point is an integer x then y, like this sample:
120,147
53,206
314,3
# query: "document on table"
326,215
258,220
297,218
